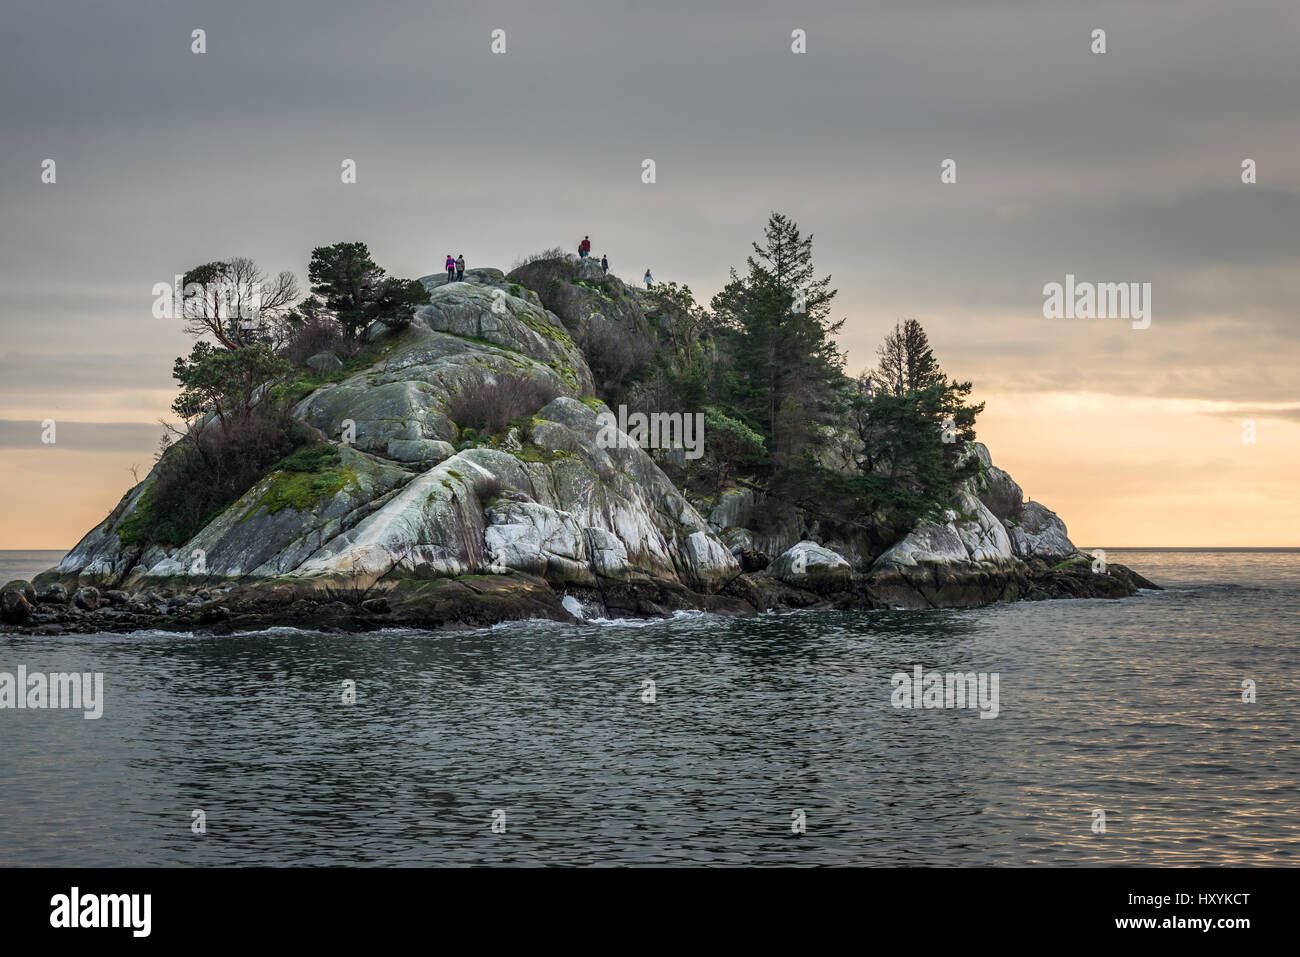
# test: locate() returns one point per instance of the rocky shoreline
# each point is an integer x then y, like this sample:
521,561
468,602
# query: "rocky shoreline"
482,600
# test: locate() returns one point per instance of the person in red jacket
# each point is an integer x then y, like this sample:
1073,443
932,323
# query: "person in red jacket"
451,268
584,247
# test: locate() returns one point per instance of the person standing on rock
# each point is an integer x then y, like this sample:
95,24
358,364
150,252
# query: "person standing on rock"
451,268
460,267
584,247
604,265
649,279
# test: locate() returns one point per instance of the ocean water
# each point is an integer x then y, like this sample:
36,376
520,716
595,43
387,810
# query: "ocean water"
1132,707
16,563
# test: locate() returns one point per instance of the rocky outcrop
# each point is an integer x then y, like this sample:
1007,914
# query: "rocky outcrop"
808,565
993,547
976,531
577,292
52,594
929,543
324,363
264,534
410,519
408,498
474,330
998,491
87,598
734,508
568,511
1036,532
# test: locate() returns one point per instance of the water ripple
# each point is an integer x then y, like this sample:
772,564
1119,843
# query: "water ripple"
1132,708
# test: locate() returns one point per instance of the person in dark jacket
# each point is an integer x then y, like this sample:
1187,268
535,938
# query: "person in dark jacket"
604,265
460,267
451,268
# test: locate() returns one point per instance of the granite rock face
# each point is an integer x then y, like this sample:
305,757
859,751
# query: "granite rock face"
581,514
578,293
415,500
1037,532
808,565
476,330
993,524
986,551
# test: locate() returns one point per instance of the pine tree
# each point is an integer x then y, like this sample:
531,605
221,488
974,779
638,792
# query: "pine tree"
358,292
914,426
907,363
785,368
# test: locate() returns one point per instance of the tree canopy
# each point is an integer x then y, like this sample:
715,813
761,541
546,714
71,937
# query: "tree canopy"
784,367
237,303
907,363
358,292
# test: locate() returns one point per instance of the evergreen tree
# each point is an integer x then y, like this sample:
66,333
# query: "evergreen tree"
785,368
230,382
914,429
907,363
357,291
344,277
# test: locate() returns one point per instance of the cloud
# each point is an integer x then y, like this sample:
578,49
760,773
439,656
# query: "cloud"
80,436
1118,167
1285,413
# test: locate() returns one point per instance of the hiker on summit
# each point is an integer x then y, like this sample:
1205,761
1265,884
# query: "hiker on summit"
460,267
649,279
451,268
584,247
604,265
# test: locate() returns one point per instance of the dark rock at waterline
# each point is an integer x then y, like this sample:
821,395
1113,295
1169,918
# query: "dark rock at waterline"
482,600
52,593
17,600
1083,577
938,585
752,560
21,586
14,606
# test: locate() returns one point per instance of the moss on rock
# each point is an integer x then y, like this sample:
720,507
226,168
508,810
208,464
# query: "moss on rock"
305,478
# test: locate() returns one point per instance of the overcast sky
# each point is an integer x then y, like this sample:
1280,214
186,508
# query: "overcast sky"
1115,167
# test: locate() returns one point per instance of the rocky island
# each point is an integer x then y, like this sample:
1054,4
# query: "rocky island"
389,512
